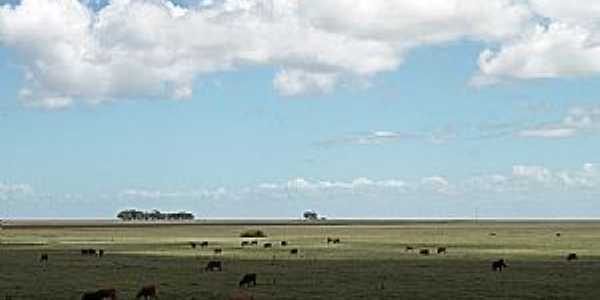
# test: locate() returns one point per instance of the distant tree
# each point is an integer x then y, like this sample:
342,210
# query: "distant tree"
310,215
154,215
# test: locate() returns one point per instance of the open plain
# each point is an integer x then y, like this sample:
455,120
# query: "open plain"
370,262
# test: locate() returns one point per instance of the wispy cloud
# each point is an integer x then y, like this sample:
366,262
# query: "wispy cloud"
577,121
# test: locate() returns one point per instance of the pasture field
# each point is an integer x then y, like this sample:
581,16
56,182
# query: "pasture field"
371,261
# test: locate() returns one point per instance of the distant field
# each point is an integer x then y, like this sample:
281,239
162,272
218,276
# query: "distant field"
370,262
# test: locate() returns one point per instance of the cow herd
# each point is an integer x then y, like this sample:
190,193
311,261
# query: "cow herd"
250,279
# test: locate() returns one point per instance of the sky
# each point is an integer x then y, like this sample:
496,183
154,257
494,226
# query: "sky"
263,109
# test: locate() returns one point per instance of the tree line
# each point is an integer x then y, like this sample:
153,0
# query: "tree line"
154,215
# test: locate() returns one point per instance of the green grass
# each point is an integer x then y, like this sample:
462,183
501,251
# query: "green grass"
371,256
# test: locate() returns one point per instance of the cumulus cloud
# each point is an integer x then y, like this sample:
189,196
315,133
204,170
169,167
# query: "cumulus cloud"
73,51
564,44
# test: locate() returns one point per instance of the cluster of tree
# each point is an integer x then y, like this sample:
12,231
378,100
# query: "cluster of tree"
311,215
154,215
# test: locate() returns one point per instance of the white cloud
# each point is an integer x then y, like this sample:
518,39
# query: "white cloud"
556,50
536,173
547,132
578,120
566,45
9,191
154,194
153,48
6,188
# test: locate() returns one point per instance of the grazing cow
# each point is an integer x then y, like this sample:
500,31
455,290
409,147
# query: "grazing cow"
268,245
218,250
254,243
84,252
498,265
148,292
329,240
424,251
557,234
284,243
241,295
193,244
100,295
294,251
572,256
245,243
44,257
101,252
214,265
204,244
409,248
248,279
441,250
492,234
336,241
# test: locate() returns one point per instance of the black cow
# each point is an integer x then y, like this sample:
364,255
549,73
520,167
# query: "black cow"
218,250
441,250
572,256
248,279
424,251
100,295
329,240
193,244
254,243
101,252
284,243
245,243
492,234
268,245
294,251
148,292
204,244
214,265
408,248
498,265
336,241
557,234
44,257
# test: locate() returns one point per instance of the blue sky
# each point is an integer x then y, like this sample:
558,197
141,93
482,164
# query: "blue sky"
430,128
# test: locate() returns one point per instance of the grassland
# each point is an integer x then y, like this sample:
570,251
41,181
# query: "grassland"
369,263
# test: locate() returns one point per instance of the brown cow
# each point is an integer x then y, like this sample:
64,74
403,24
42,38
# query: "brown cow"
148,292
498,265
100,295
214,265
